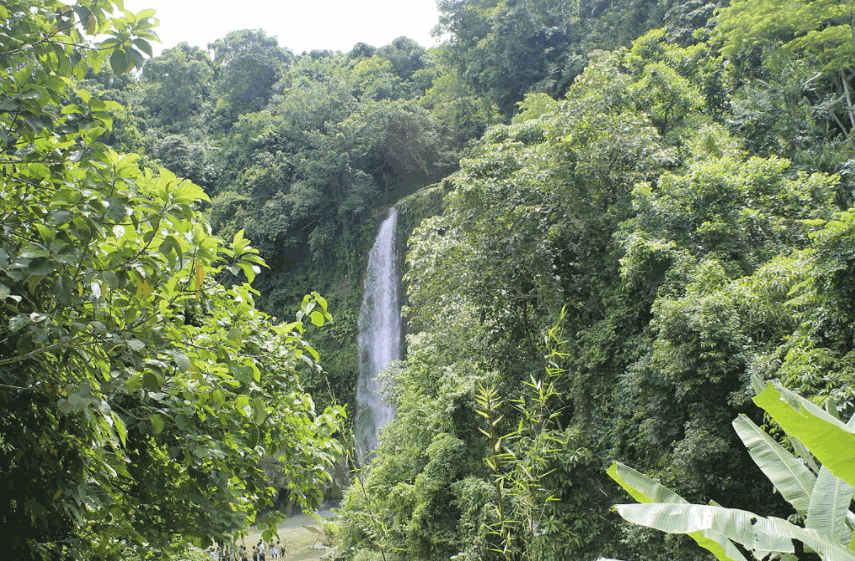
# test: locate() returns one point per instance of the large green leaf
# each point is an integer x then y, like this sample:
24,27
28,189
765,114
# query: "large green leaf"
803,453
829,506
642,488
831,441
749,529
646,490
790,476
827,548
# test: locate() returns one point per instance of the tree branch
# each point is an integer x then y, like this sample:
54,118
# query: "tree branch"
848,92
50,348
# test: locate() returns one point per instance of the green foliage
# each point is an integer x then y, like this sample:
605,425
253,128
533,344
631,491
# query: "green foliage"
139,394
687,258
721,277
505,49
177,85
824,496
458,109
681,202
815,34
187,156
819,28
373,78
249,63
428,479
533,466
530,216
407,57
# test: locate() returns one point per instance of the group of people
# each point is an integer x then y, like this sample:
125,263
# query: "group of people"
259,552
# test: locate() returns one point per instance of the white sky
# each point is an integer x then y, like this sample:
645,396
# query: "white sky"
300,25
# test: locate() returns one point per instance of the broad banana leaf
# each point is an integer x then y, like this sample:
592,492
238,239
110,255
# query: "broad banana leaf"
646,490
642,488
803,453
787,473
751,530
826,547
829,507
831,441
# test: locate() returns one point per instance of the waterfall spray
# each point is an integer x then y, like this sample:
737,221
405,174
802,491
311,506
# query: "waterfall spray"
379,336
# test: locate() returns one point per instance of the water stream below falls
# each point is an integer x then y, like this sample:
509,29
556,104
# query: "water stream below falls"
379,336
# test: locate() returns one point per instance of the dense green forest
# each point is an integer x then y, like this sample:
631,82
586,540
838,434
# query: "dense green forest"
616,214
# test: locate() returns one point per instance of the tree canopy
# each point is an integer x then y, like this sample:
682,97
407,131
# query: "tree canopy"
615,265
140,387
616,214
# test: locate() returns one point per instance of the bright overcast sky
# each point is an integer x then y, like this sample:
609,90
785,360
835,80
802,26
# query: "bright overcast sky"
300,25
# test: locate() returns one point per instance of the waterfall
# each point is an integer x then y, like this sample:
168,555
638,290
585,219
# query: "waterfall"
379,336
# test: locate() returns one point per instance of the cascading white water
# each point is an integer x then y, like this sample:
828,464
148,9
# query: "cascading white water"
379,336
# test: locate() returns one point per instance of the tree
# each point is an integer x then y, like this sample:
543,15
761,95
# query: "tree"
685,264
139,393
374,79
504,49
819,33
249,63
176,85
456,107
407,56
188,155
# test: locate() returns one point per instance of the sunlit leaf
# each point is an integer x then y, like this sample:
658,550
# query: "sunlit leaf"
831,441
157,423
317,318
